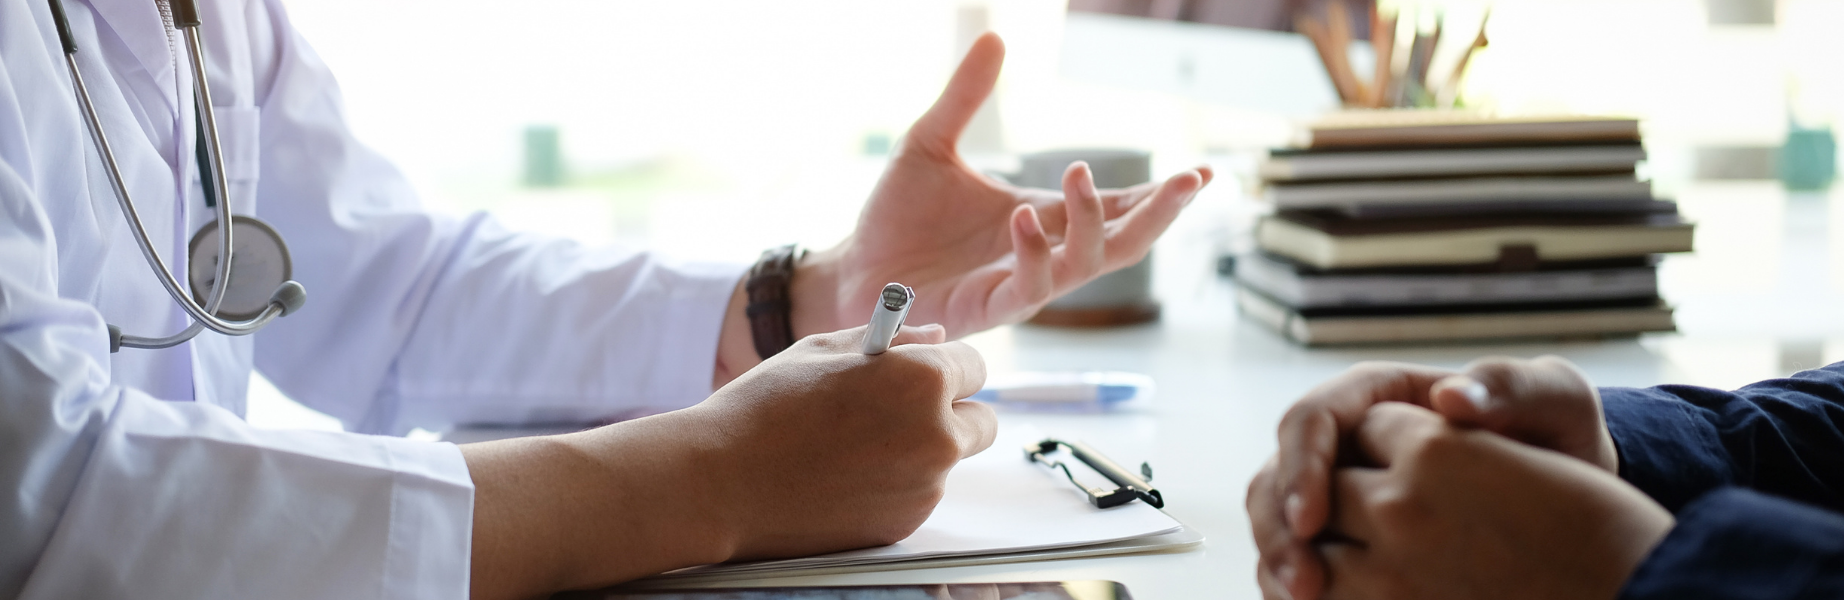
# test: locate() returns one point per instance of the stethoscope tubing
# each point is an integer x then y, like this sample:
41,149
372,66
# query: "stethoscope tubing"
203,317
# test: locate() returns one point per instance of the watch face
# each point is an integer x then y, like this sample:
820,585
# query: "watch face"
1043,590
259,263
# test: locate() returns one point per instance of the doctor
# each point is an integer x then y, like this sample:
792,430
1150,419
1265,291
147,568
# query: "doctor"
132,473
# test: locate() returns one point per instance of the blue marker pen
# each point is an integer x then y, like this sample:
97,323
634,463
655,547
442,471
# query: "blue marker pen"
1070,392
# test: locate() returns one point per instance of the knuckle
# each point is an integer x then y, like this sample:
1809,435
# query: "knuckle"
1372,369
934,449
1396,509
821,342
1439,448
920,368
943,454
896,530
1566,372
1297,416
1492,370
1309,418
1261,485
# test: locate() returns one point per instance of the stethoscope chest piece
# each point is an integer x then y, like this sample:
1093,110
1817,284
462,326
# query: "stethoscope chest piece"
259,263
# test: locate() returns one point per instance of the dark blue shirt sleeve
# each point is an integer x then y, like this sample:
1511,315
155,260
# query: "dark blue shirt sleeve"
1735,544
1694,450
1783,437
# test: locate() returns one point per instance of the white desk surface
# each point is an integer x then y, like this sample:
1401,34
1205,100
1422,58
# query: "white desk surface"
1758,299
1224,383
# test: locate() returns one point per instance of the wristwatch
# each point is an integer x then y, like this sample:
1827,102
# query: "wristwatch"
770,305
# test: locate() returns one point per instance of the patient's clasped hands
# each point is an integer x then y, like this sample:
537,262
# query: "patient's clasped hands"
1402,481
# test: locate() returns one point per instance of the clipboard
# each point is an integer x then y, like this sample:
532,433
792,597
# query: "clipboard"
1182,540
1131,487
997,509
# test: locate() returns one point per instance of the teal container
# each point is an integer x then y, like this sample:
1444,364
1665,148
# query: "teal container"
543,156
1809,159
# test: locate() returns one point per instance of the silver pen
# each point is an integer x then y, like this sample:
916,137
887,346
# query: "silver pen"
892,307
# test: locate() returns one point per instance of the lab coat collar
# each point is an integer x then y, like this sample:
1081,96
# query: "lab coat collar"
137,23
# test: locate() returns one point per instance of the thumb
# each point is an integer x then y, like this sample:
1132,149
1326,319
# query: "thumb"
1463,400
1544,402
939,129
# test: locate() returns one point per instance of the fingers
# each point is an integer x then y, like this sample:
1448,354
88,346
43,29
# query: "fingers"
1461,399
1391,431
962,369
925,334
1352,492
975,426
1117,202
1288,567
1031,280
1545,402
1350,572
1295,573
1133,234
1310,431
939,129
1083,245
1524,395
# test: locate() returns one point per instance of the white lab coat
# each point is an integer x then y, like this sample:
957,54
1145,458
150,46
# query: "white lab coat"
133,474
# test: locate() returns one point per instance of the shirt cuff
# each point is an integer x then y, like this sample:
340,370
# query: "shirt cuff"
1665,449
432,521
694,323
1734,543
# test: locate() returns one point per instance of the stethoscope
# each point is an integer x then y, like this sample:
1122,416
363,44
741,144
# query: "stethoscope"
257,252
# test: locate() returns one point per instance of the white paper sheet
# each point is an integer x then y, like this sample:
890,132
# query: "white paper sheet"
998,502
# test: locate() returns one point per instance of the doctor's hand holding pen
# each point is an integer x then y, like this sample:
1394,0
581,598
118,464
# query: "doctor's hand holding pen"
824,448
979,252
820,447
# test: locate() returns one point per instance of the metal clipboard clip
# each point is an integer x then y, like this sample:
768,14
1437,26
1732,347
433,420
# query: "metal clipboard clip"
1132,486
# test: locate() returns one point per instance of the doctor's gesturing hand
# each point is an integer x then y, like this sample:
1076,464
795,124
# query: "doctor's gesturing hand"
979,252
824,448
1544,402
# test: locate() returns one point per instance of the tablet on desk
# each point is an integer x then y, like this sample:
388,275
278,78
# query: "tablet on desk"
1042,590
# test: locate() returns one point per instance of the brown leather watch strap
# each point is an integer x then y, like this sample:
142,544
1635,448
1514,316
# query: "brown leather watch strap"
770,307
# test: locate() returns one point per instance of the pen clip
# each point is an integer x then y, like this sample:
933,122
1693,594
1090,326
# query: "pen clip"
1131,486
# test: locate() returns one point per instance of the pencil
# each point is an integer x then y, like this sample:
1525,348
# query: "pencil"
1383,46
1451,89
1340,30
1314,30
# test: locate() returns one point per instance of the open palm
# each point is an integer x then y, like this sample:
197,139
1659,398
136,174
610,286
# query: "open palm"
980,252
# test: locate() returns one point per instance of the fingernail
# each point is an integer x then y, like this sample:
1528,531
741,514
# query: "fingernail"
1476,393
1294,507
1029,224
1286,574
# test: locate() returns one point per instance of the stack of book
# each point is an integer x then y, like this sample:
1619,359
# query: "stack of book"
1412,226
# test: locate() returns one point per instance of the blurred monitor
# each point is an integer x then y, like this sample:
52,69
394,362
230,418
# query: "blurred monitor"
1272,15
1238,53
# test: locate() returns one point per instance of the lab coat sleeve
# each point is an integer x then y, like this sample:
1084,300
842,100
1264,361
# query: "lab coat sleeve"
1781,436
113,494
417,319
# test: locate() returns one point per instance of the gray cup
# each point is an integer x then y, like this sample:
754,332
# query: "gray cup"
1121,297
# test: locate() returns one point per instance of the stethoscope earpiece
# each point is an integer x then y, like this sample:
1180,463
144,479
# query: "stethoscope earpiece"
290,295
